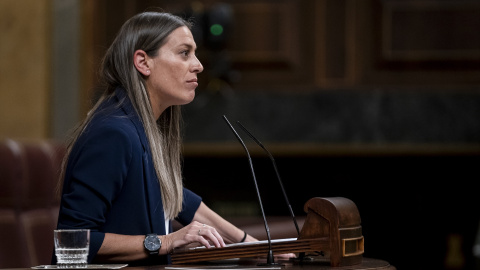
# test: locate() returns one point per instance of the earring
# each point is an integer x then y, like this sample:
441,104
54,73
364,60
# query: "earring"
148,71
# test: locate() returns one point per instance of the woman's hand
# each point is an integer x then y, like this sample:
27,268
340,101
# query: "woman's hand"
192,233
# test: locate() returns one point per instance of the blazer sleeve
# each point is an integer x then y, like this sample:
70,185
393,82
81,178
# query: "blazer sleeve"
97,169
191,202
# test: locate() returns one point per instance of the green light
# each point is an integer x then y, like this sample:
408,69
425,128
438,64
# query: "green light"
216,29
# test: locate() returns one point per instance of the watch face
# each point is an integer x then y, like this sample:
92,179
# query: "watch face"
152,243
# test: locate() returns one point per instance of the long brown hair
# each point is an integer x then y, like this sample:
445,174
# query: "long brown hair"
148,32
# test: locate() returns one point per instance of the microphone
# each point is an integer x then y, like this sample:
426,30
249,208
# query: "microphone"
276,171
270,259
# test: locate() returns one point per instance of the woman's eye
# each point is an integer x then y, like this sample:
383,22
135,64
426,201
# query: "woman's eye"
185,53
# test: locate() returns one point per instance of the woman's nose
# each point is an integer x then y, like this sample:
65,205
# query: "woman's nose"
197,66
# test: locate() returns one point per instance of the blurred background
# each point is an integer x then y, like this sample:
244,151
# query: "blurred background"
374,100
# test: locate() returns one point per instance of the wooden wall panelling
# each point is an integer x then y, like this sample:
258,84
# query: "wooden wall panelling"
93,45
430,30
266,45
430,43
101,21
294,45
25,68
263,33
335,42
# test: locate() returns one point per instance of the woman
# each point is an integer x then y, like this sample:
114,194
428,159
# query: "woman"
122,176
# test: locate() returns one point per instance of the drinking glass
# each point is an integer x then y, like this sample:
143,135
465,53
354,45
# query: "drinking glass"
71,248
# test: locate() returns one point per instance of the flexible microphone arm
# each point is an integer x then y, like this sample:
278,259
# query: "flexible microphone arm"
270,259
276,171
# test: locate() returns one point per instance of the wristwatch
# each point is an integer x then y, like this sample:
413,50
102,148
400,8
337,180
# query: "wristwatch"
152,244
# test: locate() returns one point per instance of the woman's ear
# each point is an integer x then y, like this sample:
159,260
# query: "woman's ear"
140,60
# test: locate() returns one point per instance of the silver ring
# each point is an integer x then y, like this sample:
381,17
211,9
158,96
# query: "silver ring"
204,225
199,232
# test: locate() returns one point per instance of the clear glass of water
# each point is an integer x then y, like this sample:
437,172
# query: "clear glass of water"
71,247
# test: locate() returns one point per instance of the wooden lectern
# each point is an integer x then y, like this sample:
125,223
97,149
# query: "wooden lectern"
332,228
336,219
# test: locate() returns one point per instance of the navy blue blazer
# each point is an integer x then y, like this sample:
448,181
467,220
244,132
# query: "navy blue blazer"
110,183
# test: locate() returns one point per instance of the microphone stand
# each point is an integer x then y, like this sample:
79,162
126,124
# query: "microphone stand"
276,171
270,258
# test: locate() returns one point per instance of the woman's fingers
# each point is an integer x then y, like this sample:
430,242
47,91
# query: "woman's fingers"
210,235
196,232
